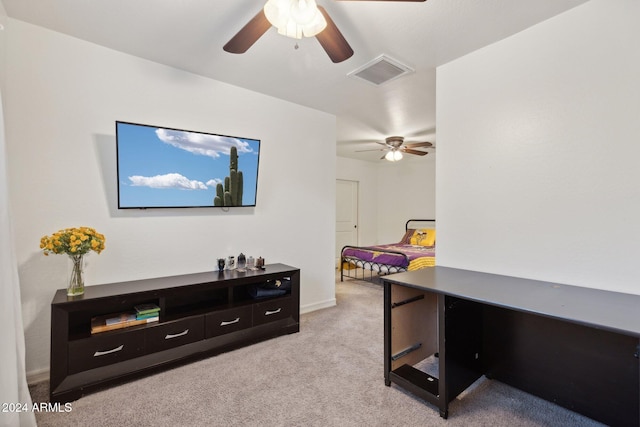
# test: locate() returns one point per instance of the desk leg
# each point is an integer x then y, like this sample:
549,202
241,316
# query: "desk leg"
387,332
460,334
443,388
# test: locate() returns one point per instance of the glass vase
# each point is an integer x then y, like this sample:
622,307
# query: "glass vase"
76,278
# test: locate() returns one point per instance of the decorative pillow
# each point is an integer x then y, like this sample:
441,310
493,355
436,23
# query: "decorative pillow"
406,239
424,237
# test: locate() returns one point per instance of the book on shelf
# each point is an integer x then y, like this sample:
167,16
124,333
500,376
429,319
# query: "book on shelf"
110,322
148,308
147,315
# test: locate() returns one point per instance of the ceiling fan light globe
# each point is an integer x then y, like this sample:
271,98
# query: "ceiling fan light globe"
295,18
393,156
277,12
291,29
303,11
315,27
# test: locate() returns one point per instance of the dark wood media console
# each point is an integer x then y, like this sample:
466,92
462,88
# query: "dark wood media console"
201,315
574,346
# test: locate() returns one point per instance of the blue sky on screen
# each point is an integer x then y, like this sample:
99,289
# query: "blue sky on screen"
160,167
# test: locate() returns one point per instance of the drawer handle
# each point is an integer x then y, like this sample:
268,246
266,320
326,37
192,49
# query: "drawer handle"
102,353
269,313
230,322
180,334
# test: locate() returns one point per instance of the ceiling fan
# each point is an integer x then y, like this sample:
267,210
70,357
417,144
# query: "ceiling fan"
395,147
296,18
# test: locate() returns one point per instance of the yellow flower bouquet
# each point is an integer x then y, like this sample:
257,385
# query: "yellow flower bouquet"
74,242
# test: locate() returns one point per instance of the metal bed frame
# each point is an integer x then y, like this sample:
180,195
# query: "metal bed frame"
380,269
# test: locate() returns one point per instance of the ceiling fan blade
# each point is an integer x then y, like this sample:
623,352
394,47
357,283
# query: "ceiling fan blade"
418,144
249,34
382,158
417,152
332,40
373,149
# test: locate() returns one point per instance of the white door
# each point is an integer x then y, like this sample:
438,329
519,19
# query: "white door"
346,215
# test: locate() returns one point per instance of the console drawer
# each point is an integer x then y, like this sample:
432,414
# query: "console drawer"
174,334
225,321
272,310
98,351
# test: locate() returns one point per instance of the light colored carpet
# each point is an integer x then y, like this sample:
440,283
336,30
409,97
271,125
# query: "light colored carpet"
328,374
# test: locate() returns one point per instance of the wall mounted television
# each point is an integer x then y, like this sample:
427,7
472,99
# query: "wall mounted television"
160,167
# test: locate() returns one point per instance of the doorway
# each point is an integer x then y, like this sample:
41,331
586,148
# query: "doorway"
346,215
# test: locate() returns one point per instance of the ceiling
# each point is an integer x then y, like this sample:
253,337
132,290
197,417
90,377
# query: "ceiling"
189,35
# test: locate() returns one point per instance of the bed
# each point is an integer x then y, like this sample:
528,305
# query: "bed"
415,250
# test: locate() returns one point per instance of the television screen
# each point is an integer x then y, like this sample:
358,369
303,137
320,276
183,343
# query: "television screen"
161,167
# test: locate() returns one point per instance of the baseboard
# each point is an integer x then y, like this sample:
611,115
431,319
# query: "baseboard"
35,377
317,306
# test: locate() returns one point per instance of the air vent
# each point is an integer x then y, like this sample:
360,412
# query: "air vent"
381,70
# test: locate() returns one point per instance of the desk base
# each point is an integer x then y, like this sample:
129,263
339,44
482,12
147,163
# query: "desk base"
584,368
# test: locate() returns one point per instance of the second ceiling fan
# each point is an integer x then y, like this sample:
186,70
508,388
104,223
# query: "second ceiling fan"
296,18
395,146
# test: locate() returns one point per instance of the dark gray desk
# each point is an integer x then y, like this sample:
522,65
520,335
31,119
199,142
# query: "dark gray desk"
577,347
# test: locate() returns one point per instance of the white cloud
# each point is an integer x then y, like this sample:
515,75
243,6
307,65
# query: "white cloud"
202,144
170,180
213,182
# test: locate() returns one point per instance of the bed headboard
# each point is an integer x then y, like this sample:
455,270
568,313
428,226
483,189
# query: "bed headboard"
420,223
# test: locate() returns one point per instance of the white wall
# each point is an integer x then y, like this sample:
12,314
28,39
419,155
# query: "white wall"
537,167
406,190
62,97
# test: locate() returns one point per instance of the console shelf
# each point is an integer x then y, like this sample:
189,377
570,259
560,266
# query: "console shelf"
201,315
